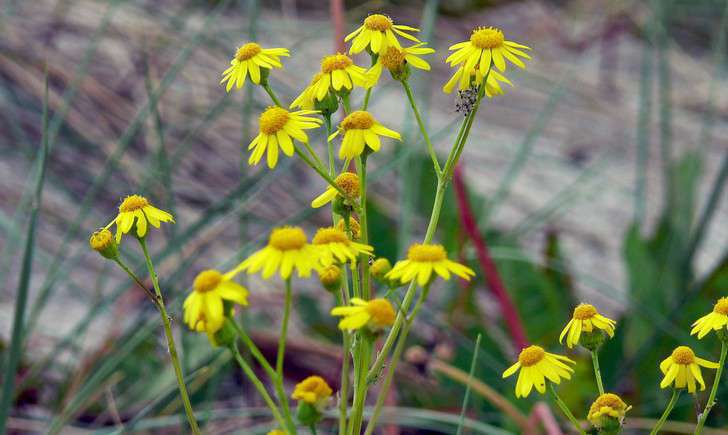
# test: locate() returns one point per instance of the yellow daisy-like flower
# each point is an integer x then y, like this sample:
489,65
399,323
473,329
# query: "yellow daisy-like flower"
347,181
378,33
536,366
361,129
136,212
338,72
585,319
249,59
376,314
306,100
682,369
278,127
487,46
287,249
714,321
422,260
335,247
607,406
475,78
395,59
313,390
203,308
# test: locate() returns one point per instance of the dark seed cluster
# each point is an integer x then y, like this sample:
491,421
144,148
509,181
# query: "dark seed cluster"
466,100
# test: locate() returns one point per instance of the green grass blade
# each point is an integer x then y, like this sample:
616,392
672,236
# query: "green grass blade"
466,397
643,132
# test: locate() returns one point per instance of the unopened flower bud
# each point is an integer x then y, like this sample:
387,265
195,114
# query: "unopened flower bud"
330,278
380,267
102,241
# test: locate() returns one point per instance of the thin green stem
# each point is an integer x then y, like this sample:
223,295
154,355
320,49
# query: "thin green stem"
361,168
714,390
281,356
313,429
136,279
330,146
313,154
322,173
170,340
344,390
257,354
421,124
597,371
346,104
565,409
363,356
272,95
368,94
668,410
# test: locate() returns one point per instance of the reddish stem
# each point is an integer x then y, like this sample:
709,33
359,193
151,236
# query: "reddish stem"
336,9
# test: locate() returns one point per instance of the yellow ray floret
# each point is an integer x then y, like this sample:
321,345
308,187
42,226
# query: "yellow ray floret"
335,247
607,405
376,314
487,46
278,128
395,59
682,369
313,390
713,321
424,259
338,72
346,181
585,319
378,32
465,81
360,130
136,212
287,249
203,308
536,367
250,59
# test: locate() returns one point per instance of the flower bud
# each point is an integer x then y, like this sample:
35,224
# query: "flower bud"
592,340
328,106
354,227
330,278
380,267
102,241
607,413
224,336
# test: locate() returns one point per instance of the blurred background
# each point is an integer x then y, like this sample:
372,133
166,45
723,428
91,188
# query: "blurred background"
598,177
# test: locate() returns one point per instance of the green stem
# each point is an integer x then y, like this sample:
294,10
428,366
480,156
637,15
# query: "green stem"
565,409
668,410
313,154
421,124
170,341
714,390
136,279
322,173
313,429
281,356
346,104
597,371
344,391
363,356
361,167
368,94
272,95
330,146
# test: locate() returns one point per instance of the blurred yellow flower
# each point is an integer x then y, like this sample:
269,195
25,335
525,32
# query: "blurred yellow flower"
250,59
347,181
136,212
585,319
102,241
536,366
378,32
607,405
422,260
278,127
276,432
306,100
361,129
714,321
375,314
335,247
395,58
287,249
330,277
682,369
338,72
203,308
487,46
313,390
475,78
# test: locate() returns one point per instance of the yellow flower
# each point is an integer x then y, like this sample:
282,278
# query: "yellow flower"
249,59
376,314
306,99
585,319
475,78
330,278
136,211
354,227
337,72
287,249
102,241
487,46
607,405
335,247
536,366
347,181
714,321
395,59
422,260
276,432
313,390
360,129
278,127
378,33
203,308
682,369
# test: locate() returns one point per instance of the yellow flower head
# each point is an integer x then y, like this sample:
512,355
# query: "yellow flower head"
278,127
203,308
585,319
313,390
136,212
395,59
422,260
378,32
276,432
376,314
380,267
475,78
335,247
338,72
487,46
714,321
249,59
536,366
102,241
306,100
607,405
287,249
347,181
682,369
354,227
330,277
360,129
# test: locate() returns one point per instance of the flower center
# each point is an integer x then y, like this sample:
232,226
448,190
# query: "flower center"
273,120
393,58
206,280
683,355
287,238
247,51
721,307
329,235
584,312
531,355
349,183
426,253
610,400
487,37
378,22
381,311
101,239
334,62
312,389
133,203
358,120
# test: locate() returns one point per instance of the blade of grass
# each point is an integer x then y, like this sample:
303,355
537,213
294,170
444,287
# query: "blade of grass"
643,131
466,397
